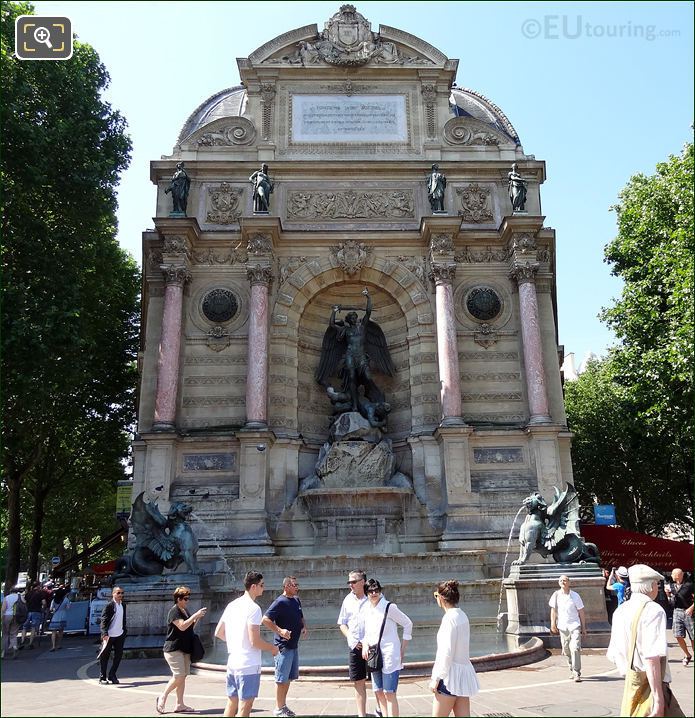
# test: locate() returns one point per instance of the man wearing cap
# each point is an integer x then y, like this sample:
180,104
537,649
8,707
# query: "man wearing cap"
351,623
651,645
618,583
680,593
567,619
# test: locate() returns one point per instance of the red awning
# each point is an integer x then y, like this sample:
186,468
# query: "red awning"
103,569
619,547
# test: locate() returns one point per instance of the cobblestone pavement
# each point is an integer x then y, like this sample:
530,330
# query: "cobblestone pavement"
64,683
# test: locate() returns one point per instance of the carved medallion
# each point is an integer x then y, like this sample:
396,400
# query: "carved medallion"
351,256
223,204
475,204
220,305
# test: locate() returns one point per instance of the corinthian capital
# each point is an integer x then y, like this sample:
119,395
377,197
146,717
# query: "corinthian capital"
442,273
260,274
175,274
524,272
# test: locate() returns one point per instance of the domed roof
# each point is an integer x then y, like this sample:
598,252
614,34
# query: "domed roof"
226,103
469,103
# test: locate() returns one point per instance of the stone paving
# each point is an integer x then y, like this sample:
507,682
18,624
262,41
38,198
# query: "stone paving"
64,683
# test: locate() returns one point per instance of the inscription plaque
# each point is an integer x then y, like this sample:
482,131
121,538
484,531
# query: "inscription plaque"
209,462
357,118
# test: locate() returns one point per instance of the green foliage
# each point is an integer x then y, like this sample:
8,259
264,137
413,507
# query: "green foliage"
633,414
69,294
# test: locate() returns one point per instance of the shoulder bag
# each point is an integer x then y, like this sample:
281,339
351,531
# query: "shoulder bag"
375,661
637,694
197,649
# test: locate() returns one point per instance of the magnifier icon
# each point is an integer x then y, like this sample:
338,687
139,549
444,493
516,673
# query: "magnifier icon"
42,35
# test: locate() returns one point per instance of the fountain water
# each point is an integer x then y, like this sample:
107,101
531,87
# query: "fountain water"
504,569
215,540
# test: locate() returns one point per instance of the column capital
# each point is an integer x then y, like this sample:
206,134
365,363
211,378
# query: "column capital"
259,274
442,273
176,274
524,273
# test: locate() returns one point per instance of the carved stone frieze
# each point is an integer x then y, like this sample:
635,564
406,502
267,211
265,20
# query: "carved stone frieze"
209,401
367,204
237,131
289,266
497,376
259,244
351,256
209,256
206,360
469,256
498,455
441,244
523,243
174,244
543,254
464,131
524,272
223,204
259,274
176,274
493,396
487,357
415,265
154,259
475,204
442,273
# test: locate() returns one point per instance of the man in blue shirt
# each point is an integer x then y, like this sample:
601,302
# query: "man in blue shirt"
619,583
286,620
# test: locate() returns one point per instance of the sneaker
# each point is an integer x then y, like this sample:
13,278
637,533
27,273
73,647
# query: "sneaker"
577,678
687,660
103,682
114,680
284,712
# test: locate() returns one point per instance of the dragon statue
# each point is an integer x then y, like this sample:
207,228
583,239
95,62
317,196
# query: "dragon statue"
554,530
160,541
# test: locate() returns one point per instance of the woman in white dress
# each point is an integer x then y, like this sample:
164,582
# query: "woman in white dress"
385,681
453,676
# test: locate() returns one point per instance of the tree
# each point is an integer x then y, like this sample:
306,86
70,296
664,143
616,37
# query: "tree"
633,414
69,293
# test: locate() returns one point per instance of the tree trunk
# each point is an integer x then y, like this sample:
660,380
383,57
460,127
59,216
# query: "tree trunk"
40,495
14,487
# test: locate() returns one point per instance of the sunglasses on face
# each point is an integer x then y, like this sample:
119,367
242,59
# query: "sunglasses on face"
119,593
184,598
356,580
373,591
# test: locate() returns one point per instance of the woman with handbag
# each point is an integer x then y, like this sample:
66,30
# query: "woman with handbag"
453,677
178,647
381,647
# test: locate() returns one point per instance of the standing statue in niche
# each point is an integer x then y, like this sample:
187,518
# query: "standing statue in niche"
179,186
262,189
347,349
517,190
554,530
436,185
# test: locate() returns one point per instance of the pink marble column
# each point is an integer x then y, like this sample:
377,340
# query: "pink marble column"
532,345
447,345
257,370
169,349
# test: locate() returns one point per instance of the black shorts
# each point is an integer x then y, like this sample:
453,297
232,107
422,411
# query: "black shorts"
357,666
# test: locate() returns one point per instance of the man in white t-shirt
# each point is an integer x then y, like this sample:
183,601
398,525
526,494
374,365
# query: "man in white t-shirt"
240,627
567,619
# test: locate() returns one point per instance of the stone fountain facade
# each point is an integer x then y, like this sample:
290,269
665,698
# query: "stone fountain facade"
235,304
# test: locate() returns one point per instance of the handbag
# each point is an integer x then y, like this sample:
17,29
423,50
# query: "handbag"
375,661
197,649
637,694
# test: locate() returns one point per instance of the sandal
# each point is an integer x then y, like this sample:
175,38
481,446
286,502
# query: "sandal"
159,708
184,709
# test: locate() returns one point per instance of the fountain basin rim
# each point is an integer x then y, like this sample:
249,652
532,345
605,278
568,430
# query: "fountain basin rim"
532,651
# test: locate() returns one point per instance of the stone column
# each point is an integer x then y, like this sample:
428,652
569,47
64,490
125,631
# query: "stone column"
175,277
260,277
524,274
447,345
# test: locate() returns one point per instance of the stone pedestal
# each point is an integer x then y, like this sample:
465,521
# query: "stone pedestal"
529,589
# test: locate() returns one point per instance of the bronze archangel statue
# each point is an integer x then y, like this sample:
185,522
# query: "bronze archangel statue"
348,348
554,530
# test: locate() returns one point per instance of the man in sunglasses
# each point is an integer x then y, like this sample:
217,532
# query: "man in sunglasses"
113,633
351,623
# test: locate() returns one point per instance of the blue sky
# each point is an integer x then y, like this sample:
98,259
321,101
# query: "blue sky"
599,90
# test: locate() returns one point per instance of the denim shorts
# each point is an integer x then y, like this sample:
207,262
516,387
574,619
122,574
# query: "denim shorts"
287,665
243,685
387,682
682,624
34,618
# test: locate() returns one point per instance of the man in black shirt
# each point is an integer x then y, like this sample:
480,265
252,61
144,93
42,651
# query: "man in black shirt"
680,592
37,600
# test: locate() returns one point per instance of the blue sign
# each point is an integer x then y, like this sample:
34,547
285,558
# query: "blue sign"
604,515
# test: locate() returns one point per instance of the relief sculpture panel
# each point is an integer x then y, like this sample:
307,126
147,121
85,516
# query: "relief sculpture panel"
367,204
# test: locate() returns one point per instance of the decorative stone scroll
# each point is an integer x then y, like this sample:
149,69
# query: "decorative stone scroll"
238,131
475,204
351,256
463,131
367,204
223,204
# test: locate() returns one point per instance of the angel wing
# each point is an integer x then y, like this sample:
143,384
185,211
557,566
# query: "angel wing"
563,517
377,349
148,524
332,351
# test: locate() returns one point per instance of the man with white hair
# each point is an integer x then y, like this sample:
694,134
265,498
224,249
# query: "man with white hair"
567,619
651,646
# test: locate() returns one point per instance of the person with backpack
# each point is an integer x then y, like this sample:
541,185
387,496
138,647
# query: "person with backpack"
14,614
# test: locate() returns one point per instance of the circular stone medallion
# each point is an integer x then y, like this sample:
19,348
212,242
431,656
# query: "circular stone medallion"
220,305
483,303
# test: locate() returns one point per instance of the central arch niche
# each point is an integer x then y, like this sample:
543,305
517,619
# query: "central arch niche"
314,408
